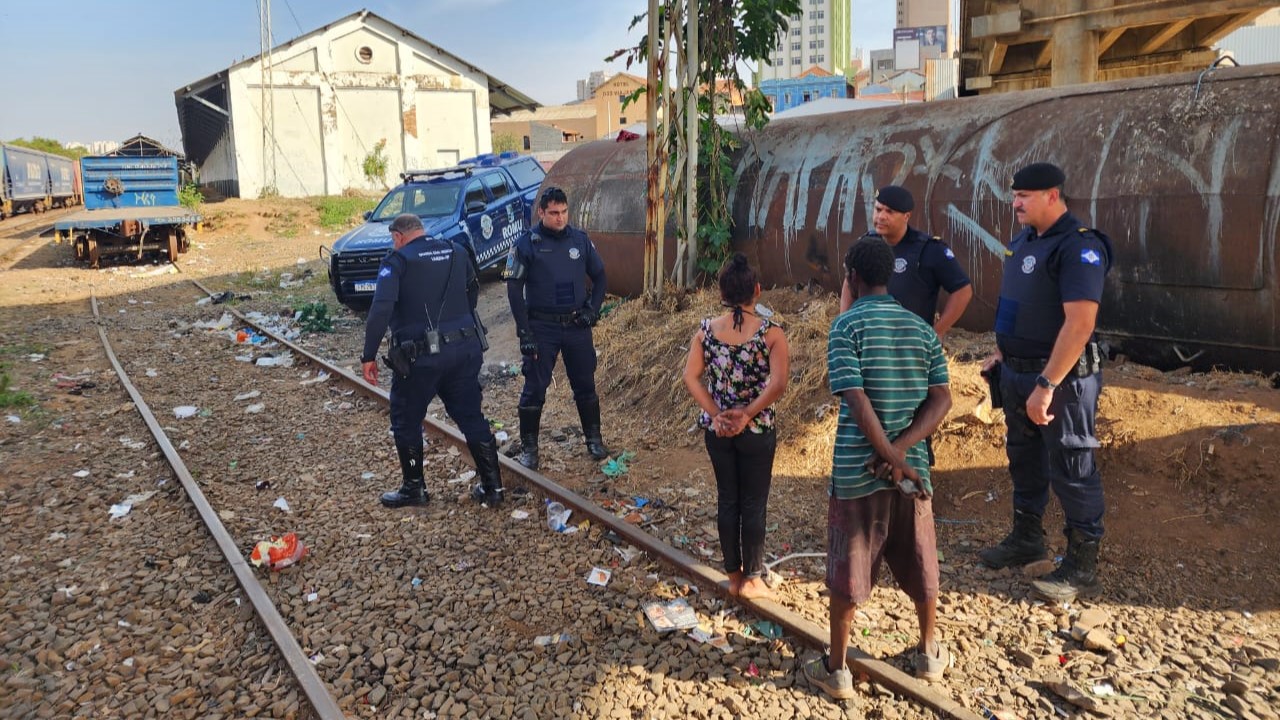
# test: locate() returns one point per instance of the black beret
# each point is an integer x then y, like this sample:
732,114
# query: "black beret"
896,198
1039,176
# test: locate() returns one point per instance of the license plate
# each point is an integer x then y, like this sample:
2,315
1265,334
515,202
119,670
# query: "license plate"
366,286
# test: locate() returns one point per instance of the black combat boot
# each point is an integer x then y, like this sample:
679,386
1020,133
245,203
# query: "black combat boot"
412,491
1024,544
488,491
1078,573
530,419
589,414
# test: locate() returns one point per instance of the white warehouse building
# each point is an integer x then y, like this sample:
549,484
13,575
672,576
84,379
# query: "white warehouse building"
334,94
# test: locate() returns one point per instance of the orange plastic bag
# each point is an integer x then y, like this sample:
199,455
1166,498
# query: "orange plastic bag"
278,552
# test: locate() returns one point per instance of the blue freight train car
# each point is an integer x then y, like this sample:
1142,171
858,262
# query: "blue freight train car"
131,208
35,181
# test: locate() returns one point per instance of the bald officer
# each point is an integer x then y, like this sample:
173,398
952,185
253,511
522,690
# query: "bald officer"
1050,378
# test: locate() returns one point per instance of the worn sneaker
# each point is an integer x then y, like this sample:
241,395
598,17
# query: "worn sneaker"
838,684
932,667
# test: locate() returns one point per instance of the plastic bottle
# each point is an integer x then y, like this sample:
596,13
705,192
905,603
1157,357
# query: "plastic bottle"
557,516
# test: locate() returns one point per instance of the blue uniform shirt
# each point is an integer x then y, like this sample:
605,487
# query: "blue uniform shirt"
556,268
427,283
923,264
1041,272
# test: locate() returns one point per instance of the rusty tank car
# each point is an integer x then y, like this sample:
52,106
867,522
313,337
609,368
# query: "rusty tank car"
1182,171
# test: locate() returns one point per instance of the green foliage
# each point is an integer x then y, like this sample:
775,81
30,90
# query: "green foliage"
730,34
189,196
51,146
375,164
341,212
505,142
315,317
10,398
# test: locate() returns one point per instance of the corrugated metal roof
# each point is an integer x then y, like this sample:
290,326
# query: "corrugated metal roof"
1253,45
551,113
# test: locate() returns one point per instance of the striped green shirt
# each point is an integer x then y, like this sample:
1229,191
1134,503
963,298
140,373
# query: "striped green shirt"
894,357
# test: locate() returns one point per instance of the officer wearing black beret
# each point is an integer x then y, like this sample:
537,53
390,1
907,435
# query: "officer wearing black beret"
1049,378
922,265
427,292
546,274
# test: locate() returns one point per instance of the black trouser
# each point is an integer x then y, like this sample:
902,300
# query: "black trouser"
744,470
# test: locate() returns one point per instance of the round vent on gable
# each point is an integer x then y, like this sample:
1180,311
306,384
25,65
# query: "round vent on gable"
364,54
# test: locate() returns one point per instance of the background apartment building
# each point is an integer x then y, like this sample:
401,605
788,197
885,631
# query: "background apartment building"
818,36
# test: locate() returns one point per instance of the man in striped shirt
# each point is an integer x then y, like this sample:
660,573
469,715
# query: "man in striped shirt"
888,367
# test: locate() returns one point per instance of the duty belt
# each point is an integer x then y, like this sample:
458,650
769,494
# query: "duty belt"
562,318
1089,363
449,337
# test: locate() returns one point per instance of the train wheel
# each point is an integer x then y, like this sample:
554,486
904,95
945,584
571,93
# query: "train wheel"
184,242
79,244
173,246
91,251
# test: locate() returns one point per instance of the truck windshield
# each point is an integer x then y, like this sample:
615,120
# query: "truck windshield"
421,200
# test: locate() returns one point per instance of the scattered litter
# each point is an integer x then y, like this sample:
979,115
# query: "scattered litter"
80,474
753,670
613,467
545,640
1104,690
558,516
255,408
991,496
132,445
599,576
704,635
641,502
519,514
671,615
282,504
248,395
222,323
35,357
185,411
244,358
151,372
416,582
768,629
317,658
122,508
262,485
628,554
203,597
501,436
366,475
14,419
464,477
319,378
283,360
462,565
222,297
312,597
278,552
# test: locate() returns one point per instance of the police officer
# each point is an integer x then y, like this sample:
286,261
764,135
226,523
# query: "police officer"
427,291
546,277
1049,368
922,264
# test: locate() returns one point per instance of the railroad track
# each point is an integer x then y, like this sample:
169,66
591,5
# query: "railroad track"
297,645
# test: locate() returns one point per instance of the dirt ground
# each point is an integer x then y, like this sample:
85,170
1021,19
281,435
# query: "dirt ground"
1189,459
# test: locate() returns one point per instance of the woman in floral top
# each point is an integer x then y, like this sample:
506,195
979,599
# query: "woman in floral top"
744,357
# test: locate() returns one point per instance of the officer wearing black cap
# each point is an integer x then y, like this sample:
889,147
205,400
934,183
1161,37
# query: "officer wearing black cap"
1048,375
427,292
922,265
546,276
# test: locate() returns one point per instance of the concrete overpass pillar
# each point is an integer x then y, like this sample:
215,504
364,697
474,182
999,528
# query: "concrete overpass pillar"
1075,50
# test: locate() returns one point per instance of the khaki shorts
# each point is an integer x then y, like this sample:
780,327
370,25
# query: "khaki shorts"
884,525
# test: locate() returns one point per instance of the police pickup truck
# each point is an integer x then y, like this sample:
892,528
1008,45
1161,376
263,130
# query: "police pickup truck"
485,203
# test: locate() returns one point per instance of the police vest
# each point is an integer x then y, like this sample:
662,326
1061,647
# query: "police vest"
433,289
557,271
1029,314
907,284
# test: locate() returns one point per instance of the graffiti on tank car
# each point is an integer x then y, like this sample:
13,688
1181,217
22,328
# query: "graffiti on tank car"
144,198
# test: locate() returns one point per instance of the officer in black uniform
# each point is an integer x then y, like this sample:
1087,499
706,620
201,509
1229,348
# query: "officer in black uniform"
427,291
546,276
922,264
1049,378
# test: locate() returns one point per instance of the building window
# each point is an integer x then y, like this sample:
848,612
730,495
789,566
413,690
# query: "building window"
788,97
806,97
813,44
526,142
622,121
364,54
817,14
822,58
822,43
813,59
795,60
795,46
795,32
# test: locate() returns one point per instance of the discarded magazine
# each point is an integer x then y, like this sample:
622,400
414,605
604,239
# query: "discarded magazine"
671,615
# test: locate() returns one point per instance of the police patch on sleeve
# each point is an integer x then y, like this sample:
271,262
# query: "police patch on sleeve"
1089,256
950,255
384,272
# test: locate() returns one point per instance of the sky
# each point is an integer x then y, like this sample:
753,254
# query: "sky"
110,69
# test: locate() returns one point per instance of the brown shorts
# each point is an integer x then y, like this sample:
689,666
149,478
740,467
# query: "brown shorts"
884,525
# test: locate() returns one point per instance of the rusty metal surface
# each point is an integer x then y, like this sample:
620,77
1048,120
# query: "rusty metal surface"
1185,181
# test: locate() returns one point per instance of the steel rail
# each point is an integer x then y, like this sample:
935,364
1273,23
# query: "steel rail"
809,633
312,686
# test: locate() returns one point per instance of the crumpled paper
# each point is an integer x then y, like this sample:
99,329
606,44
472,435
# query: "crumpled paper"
278,552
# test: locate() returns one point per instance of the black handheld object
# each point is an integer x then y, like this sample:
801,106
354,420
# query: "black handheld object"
992,377
400,358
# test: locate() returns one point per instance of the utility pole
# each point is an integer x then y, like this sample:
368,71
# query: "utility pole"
268,98
654,215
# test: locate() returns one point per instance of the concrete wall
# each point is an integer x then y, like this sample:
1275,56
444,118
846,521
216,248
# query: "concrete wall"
337,94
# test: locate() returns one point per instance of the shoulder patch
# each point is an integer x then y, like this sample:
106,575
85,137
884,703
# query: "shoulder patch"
950,255
1089,256
384,272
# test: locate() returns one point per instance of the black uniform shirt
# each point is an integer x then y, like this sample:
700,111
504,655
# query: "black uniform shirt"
427,283
923,264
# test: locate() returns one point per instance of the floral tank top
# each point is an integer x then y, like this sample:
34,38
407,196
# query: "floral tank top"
737,374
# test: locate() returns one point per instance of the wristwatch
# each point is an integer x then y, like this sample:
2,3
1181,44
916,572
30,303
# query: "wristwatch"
1043,382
